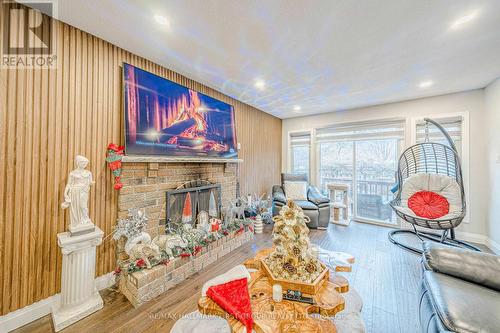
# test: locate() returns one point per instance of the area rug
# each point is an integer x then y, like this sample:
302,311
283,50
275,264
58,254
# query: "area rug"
347,321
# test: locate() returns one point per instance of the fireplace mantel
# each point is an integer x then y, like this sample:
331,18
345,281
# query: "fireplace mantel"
164,159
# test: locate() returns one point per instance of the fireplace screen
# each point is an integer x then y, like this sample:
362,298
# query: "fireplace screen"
187,202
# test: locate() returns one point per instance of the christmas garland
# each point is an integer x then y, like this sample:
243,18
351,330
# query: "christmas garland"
114,156
195,246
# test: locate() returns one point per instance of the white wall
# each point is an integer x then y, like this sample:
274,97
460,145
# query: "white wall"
492,105
471,102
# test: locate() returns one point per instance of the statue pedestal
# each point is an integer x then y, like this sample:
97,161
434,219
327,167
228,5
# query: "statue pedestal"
79,297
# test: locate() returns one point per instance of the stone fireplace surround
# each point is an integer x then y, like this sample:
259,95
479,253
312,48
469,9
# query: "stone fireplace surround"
145,185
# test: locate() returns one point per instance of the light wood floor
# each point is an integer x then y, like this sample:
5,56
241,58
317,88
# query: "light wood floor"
387,278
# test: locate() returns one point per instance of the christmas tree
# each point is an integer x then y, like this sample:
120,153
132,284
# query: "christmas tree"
292,258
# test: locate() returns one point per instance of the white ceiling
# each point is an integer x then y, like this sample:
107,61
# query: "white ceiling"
323,55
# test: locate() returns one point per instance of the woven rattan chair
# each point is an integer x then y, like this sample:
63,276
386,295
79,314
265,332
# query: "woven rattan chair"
430,158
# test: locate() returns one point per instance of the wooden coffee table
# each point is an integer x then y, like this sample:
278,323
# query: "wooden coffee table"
285,316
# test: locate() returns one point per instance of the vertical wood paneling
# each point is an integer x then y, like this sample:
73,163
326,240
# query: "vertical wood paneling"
49,116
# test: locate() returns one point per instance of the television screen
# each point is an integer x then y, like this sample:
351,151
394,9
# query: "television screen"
165,118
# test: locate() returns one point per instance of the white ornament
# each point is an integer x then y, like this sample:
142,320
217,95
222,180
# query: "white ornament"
76,197
141,247
169,242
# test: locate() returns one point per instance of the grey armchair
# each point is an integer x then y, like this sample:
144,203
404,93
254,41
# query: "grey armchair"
316,207
460,290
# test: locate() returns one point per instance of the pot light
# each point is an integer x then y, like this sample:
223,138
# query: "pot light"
260,84
463,20
425,84
162,20
297,108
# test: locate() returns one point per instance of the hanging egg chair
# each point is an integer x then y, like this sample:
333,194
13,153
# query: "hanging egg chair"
430,192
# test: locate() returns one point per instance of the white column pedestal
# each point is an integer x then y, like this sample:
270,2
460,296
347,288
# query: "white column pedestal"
79,297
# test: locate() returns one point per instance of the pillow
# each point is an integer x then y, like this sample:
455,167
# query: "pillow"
443,185
428,204
295,190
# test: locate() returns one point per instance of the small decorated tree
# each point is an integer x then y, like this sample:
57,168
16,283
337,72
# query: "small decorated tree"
292,258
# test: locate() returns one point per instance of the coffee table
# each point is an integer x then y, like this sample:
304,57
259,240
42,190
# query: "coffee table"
285,316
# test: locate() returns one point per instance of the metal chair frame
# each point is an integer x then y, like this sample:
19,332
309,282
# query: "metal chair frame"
434,158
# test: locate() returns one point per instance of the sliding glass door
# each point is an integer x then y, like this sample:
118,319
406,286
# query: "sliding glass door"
364,157
375,165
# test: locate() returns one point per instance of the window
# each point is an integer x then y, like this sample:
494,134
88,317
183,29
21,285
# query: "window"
457,126
452,125
365,156
300,144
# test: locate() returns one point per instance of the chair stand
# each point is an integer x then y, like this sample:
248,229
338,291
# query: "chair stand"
440,238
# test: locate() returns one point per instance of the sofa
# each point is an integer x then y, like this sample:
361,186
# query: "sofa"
316,207
460,290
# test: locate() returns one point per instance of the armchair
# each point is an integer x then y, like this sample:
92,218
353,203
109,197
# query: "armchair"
316,207
460,290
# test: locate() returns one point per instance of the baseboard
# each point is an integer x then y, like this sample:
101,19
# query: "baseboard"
37,310
494,246
479,239
471,237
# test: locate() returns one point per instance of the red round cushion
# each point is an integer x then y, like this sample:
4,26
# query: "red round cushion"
428,204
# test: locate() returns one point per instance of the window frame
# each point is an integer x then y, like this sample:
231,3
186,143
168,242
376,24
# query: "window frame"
289,167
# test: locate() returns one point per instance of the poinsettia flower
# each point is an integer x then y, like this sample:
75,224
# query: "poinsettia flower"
185,255
140,262
117,271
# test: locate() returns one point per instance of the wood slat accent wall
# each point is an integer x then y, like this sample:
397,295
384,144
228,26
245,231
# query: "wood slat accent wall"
49,116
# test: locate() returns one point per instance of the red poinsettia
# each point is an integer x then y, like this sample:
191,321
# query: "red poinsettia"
197,249
240,230
185,255
117,271
140,263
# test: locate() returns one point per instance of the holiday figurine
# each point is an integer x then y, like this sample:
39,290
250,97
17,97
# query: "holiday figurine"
187,213
212,207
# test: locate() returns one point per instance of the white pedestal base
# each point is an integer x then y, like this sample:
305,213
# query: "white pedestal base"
66,317
79,296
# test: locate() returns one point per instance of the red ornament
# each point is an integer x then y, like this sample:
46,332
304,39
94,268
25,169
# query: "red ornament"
233,297
140,262
429,205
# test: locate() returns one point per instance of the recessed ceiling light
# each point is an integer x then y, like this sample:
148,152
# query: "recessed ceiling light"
425,84
259,84
297,108
463,20
162,20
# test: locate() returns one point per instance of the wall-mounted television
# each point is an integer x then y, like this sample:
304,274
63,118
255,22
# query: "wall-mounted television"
168,119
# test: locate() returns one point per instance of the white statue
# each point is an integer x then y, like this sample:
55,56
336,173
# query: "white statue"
76,196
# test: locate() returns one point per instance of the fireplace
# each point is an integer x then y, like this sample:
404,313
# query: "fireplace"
185,203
